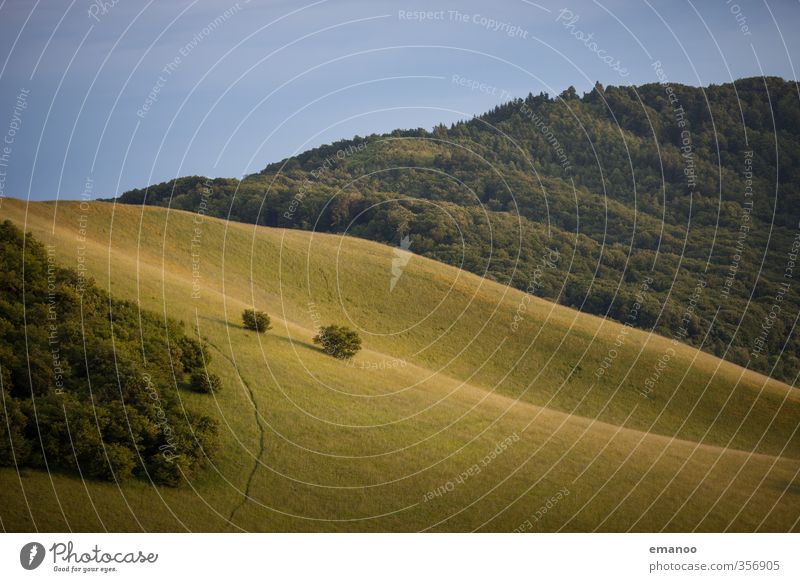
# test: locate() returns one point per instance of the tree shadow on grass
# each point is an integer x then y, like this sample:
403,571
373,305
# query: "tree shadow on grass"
271,333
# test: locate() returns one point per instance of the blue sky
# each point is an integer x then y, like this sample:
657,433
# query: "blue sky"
127,93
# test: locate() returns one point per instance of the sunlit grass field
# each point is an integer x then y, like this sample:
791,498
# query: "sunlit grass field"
445,385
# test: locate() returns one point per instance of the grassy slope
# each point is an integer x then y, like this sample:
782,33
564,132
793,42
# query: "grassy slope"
332,447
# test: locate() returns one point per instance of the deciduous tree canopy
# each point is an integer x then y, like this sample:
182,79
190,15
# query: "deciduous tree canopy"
89,383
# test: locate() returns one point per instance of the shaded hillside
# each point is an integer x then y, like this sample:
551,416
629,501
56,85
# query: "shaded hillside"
89,384
667,207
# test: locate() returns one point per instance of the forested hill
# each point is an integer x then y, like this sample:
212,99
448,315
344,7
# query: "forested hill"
664,206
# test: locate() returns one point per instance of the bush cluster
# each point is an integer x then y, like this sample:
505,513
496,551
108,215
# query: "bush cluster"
87,382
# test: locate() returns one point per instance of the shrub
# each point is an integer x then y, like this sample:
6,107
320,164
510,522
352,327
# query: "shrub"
256,320
205,383
165,468
338,341
191,353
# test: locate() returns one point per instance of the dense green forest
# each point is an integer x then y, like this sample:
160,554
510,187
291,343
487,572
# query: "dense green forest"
668,207
100,374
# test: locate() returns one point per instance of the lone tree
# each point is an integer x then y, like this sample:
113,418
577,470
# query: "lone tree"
338,341
256,320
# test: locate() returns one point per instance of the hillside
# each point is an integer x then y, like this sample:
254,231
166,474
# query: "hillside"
666,438
91,385
696,188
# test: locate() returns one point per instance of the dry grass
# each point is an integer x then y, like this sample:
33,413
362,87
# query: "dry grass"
339,447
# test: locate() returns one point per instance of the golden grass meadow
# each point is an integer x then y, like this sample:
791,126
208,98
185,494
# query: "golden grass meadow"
454,416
